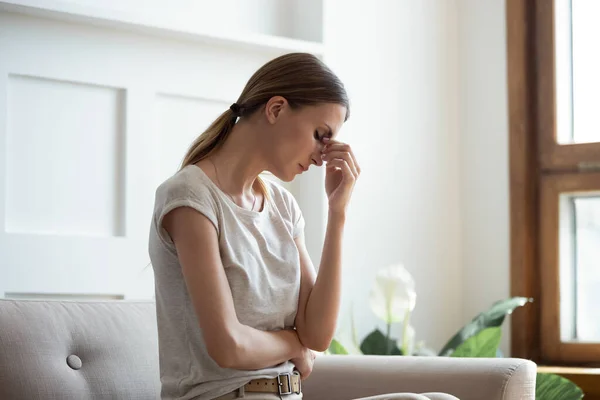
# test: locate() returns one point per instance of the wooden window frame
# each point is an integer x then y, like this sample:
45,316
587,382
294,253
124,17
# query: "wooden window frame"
553,156
523,172
540,169
552,348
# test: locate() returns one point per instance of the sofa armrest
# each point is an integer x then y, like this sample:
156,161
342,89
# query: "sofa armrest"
350,377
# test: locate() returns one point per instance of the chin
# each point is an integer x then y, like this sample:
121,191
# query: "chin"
286,175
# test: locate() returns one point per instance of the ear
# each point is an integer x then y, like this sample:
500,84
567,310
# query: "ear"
274,107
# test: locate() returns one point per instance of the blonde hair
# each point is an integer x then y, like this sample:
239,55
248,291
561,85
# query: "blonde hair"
301,78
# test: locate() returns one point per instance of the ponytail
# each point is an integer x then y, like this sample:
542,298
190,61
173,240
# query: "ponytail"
211,139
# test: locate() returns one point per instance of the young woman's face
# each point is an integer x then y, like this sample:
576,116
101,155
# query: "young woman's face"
298,137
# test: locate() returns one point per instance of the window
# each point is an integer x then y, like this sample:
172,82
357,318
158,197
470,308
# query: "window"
579,246
554,89
577,34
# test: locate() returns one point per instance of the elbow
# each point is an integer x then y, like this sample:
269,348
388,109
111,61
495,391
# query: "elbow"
320,346
225,351
223,358
317,341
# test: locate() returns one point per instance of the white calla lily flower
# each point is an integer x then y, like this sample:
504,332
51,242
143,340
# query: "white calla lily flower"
393,294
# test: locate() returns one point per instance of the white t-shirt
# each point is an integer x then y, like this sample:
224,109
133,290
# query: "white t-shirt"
262,265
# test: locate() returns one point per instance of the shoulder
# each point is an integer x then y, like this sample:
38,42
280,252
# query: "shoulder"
188,187
188,184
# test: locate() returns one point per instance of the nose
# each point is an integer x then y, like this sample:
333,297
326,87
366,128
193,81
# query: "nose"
316,155
317,160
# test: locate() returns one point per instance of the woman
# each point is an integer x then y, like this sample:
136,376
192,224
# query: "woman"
240,308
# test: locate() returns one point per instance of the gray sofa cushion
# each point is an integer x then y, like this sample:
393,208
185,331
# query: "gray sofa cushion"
78,350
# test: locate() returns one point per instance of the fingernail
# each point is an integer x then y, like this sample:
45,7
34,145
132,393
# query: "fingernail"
326,139
323,155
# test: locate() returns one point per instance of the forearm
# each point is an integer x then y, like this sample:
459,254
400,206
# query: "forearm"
255,349
323,303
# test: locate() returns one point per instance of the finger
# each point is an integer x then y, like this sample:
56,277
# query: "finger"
345,156
354,162
304,375
339,146
348,175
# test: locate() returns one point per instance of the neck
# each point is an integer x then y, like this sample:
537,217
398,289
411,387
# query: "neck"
239,162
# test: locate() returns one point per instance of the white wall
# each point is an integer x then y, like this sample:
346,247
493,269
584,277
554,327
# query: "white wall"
299,19
398,60
429,125
90,128
484,156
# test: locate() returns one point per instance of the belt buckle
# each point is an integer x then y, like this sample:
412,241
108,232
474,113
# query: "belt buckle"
289,380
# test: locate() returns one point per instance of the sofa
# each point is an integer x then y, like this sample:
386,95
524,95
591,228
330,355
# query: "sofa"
79,350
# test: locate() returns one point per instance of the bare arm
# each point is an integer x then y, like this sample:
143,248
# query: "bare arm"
230,343
319,301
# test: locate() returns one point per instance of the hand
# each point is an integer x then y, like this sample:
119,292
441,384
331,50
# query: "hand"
342,173
304,363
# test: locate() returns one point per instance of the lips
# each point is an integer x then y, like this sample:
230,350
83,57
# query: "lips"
302,168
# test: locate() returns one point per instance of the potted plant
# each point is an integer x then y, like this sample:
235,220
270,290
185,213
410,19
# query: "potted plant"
393,299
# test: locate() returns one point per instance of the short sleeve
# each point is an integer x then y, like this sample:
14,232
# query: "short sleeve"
298,218
177,193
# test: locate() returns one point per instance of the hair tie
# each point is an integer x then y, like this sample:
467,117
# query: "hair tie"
235,107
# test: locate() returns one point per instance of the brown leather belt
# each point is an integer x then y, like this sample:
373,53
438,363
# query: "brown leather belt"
287,383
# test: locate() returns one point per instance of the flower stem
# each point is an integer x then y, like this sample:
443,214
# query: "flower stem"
353,327
405,332
388,347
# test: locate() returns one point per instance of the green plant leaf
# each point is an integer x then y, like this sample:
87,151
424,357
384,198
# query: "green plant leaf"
337,348
484,344
377,344
493,317
555,387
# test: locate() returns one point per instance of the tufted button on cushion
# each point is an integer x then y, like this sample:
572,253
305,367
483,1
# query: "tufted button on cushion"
43,345
74,362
